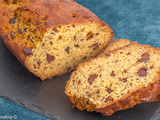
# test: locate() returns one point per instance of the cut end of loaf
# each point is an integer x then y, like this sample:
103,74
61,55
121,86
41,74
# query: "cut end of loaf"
118,79
51,50
64,47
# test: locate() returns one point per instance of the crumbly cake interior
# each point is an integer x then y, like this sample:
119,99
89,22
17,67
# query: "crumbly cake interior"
64,47
60,48
114,75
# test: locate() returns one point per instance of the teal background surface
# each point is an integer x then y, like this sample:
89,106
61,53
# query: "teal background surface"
136,20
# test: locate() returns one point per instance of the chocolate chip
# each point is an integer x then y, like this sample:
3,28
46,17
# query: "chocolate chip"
27,50
79,82
76,45
84,57
11,35
142,72
51,42
25,30
75,37
37,23
97,33
20,31
125,71
69,69
50,58
92,78
145,58
151,67
108,99
73,16
43,44
89,95
55,29
109,90
112,74
67,50
123,79
103,24
39,63
95,46
87,92
89,35
107,55
60,37
98,92
12,20
73,26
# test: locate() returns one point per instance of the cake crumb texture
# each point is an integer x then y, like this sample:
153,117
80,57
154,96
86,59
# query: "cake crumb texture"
117,79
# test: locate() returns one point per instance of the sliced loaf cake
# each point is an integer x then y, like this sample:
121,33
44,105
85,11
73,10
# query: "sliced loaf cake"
117,79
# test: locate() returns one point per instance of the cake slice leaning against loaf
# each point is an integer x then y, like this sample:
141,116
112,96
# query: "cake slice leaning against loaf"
51,37
116,79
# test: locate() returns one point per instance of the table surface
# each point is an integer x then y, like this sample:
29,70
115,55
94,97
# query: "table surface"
133,20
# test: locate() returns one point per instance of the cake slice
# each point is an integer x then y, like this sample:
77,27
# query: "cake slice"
115,45
116,79
51,37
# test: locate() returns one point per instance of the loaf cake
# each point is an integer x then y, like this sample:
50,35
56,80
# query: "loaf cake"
51,37
117,79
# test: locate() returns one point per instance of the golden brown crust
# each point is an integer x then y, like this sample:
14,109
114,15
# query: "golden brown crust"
149,93
82,103
55,12
15,48
59,12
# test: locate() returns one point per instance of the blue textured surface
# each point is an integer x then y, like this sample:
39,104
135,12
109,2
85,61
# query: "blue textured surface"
137,20
10,109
